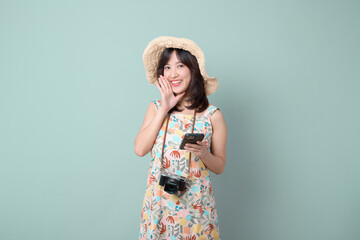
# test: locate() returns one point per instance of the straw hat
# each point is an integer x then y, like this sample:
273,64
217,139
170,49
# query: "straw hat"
156,47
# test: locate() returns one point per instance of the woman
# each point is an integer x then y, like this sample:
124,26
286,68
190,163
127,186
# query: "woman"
177,67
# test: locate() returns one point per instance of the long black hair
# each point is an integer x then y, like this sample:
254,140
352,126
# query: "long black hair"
195,92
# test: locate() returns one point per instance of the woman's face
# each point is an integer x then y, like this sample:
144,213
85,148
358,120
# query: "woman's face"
177,74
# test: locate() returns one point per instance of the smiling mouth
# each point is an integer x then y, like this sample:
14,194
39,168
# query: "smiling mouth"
176,83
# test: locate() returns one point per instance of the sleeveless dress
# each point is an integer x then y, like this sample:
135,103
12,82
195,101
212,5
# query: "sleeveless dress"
192,216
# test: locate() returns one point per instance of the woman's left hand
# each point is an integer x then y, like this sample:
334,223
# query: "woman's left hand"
199,149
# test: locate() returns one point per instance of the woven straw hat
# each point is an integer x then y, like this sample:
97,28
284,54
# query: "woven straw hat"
156,47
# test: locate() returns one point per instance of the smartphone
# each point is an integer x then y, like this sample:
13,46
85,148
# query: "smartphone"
191,138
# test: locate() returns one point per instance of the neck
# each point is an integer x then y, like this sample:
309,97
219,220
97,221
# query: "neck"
183,102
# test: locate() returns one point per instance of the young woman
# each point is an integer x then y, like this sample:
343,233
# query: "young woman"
183,207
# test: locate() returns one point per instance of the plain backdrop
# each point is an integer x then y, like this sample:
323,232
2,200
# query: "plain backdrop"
73,95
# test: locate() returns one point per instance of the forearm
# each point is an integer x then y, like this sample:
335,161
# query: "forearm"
213,163
145,139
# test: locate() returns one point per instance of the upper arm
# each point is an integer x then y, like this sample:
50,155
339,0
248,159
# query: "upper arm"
149,115
219,135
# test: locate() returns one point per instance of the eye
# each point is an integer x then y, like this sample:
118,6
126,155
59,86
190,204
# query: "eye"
166,67
180,65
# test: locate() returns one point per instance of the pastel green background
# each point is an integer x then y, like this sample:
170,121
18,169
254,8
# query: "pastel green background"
73,95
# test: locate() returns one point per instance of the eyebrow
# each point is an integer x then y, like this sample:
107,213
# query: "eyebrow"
175,63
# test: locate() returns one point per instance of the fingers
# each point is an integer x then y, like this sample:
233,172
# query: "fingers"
160,83
203,143
197,147
165,84
192,149
195,150
190,146
157,84
162,86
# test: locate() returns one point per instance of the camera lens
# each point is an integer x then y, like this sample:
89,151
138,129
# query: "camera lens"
171,186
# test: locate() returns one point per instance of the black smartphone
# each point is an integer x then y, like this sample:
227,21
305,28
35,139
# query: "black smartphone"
191,138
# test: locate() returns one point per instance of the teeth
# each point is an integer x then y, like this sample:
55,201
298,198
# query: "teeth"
175,82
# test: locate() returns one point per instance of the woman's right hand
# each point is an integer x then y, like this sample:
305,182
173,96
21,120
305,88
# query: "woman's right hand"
168,99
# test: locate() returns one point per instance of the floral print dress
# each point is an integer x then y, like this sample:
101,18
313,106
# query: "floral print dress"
192,216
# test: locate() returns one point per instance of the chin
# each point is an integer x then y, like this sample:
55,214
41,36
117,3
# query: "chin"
178,92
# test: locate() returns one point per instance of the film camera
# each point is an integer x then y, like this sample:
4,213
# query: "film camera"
172,183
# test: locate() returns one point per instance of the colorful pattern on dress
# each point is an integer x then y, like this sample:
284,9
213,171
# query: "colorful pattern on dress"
193,216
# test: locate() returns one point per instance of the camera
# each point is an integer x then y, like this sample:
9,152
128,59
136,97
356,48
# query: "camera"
172,183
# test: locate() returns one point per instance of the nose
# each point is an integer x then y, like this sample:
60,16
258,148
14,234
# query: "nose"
173,73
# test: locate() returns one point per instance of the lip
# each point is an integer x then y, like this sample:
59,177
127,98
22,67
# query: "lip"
176,84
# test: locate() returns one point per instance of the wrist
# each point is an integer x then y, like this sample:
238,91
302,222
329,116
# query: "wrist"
163,111
206,154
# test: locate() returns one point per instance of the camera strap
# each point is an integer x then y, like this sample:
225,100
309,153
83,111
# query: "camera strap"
192,131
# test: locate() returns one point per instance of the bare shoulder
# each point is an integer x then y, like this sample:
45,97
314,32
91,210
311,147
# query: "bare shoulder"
217,117
218,121
149,115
